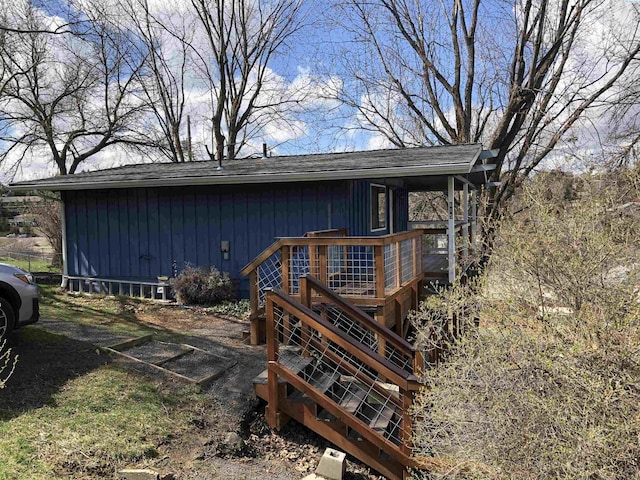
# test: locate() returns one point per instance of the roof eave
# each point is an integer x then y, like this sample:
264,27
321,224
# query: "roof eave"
387,172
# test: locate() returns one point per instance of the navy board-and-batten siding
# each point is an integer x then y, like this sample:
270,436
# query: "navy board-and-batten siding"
139,232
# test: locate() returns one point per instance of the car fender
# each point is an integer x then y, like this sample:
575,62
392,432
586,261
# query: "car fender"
9,292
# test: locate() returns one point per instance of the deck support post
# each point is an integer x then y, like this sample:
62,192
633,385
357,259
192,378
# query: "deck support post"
451,228
253,302
305,331
465,224
407,420
474,221
398,266
284,260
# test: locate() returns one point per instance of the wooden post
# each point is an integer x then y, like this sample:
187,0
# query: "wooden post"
398,265
399,318
284,261
322,274
305,331
378,265
474,221
418,363
451,228
406,426
313,260
416,246
254,305
272,377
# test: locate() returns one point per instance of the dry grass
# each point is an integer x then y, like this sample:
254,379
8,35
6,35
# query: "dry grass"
544,392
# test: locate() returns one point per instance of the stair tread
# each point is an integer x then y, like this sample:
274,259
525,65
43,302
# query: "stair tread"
289,359
349,402
379,421
382,418
321,381
353,399
295,363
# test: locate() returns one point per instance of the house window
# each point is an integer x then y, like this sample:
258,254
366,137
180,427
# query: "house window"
378,207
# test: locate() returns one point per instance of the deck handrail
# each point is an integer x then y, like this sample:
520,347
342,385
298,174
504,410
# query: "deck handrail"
266,253
326,241
309,284
402,378
374,271
331,232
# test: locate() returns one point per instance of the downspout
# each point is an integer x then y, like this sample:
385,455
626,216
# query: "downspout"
63,225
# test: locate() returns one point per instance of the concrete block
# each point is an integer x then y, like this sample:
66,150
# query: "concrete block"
332,465
137,474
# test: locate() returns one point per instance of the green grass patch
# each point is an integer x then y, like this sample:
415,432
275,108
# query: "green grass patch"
118,313
34,265
106,416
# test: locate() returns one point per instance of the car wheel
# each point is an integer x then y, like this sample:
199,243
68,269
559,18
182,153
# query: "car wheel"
7,318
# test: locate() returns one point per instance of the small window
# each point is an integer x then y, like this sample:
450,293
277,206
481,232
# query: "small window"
378,207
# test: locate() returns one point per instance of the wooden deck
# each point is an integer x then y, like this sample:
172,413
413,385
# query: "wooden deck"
381,273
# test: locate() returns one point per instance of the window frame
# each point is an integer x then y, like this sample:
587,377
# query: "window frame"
375,190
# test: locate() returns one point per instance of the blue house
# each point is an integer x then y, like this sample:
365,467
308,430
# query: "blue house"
140,222
310,238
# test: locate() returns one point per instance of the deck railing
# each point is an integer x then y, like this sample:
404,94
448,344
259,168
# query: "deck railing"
366,270
355,267
359,326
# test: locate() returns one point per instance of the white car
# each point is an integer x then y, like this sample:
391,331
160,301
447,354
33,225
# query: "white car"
19,299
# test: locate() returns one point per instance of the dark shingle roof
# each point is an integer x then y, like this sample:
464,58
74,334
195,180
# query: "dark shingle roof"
410,162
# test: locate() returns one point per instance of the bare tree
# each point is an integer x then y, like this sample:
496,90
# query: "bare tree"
242,38
166,43
516,75
69,96
48,219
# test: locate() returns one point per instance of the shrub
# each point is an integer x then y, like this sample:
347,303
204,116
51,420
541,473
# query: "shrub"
549,385
7,363
204,286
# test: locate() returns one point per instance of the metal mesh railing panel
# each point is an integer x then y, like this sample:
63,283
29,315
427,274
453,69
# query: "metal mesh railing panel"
352,272
336,259
342,377
390,254
406,260
367,337
299,266
269,275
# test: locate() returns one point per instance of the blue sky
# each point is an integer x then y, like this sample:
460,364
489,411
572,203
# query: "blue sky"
313,53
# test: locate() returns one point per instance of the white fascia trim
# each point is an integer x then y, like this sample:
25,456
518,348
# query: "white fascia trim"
392,172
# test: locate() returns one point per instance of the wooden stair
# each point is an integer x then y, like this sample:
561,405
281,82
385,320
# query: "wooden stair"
352,399
349,392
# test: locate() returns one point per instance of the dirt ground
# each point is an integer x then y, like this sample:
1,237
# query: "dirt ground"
239,447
